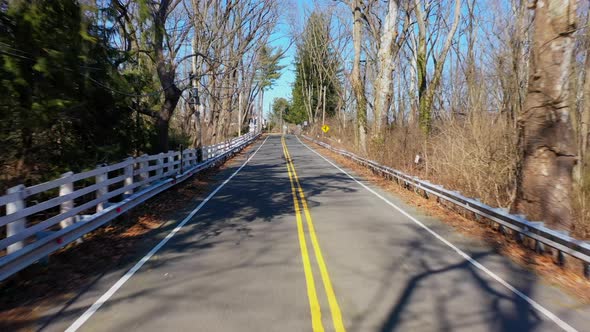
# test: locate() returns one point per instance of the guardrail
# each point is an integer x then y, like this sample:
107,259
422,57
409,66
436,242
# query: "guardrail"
43,218
561,241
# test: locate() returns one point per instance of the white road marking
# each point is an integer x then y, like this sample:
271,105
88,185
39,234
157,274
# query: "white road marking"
565,326
105,297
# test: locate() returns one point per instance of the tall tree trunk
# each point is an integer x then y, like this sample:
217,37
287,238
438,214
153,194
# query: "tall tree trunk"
545,181
426,92
420,58
515,88
584,120
383,82
224,112
166,74
171,97
357,83
25,94
585,124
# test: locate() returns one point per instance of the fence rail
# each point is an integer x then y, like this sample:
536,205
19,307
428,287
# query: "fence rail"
43,218
522,228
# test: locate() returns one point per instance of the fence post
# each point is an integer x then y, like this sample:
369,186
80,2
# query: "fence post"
160,163
129,177
66,189
101,191
189,156
19,225
181,158
170,161
145,174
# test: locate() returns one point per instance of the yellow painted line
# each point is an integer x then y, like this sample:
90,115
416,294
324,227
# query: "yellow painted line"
314,304
333,302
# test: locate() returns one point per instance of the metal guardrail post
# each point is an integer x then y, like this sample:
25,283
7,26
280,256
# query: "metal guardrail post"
19,225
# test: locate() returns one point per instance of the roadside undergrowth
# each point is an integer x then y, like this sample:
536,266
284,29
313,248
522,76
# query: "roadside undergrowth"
567,277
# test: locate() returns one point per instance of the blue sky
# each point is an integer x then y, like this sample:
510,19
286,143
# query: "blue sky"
282,87
281,38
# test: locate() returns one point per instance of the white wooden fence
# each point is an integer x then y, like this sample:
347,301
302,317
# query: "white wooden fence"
43,218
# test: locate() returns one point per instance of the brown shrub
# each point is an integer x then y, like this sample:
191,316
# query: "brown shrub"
475,154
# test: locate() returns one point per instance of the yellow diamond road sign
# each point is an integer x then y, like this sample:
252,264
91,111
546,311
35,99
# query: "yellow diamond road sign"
325,128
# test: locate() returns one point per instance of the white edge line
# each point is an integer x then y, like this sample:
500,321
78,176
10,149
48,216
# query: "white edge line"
105,297
565,326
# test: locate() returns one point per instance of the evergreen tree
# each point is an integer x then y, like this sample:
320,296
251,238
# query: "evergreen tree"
58,80
317,68
282,105
270,70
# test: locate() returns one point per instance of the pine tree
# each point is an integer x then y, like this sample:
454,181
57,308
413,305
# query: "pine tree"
57,77
317,68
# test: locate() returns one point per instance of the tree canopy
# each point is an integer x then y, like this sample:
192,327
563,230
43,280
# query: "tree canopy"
58,102
89,82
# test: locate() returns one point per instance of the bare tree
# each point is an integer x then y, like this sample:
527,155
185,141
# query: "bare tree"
545,180
231,34
358,85
157,39
165,47
427,90
388,49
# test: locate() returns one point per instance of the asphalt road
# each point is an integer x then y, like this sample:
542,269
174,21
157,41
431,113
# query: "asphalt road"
295,244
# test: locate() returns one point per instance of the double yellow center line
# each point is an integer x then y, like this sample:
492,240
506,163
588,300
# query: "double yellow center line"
314,305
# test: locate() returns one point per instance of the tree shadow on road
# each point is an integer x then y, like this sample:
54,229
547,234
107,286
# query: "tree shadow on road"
255,205
436,289
259,194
